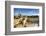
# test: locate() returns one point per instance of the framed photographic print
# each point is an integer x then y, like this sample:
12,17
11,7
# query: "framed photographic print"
24,17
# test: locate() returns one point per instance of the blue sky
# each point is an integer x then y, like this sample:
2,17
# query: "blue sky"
26,11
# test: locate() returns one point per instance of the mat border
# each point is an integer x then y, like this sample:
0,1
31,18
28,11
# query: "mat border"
7,17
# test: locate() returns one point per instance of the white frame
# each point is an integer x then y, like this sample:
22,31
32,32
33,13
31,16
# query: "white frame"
27,28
